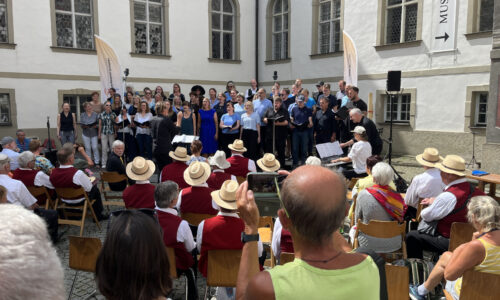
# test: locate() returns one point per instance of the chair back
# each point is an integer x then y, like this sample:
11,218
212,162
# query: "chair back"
223,267
195,219
480,285
266,226
112,177
83,252
382,229
419,210
353,210
397,278
68,193
286,257
240,179
37,191
460,233
171,262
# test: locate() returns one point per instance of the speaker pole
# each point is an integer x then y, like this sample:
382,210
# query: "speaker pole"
390,130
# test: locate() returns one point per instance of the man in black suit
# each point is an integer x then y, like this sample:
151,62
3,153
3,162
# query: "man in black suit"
166,132
116,163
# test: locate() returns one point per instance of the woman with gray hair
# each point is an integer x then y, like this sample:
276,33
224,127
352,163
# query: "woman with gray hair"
481,254
379,202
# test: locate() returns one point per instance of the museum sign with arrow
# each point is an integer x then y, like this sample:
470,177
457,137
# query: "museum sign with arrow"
444,25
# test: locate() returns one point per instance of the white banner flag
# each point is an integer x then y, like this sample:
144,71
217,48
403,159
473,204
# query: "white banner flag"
109,68
350,60
443,25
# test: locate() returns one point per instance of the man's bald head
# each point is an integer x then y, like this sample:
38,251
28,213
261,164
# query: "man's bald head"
315,199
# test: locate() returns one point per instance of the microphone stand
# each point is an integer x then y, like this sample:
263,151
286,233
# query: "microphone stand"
48,133
125,75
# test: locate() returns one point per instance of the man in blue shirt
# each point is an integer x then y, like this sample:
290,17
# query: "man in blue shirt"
260,106
22,142
301,121
10,149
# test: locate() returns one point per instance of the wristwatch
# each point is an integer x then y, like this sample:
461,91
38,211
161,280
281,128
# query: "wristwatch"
249,237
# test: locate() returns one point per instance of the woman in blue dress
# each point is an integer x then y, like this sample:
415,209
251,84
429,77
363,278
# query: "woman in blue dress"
207,124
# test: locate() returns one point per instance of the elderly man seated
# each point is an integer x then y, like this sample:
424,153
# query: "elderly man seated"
30,176
9,148
240,165
314,207
176,233
175,170
450,206
219,165
141,194
67,176
22,142
117,163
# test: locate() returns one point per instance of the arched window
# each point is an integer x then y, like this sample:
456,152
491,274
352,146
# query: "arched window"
280,13
223,29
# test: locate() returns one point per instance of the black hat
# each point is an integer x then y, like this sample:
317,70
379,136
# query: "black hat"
198,88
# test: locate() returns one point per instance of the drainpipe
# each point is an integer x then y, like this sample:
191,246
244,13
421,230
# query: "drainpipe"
257,40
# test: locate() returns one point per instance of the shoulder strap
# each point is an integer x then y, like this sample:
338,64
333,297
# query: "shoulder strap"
458,209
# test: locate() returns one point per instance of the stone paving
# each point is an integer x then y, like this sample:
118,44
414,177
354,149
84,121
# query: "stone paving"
85,285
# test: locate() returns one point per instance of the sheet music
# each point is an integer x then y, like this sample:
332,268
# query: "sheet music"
329,149
186,139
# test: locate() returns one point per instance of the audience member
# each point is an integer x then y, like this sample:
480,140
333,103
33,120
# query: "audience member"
443,210
240,166
133,263
381,203
301,121
358,154
141,194
428,184
22,142
29,265
367,181
17,193
359,119
41,163
196,148
117,163
218,176
176,233
3,194
196,198
278,115
281,240
89,120
481,254
67,176
66,125
314,207
174,171
82,160
269,163
10,149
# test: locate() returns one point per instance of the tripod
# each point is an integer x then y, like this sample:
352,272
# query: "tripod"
473,161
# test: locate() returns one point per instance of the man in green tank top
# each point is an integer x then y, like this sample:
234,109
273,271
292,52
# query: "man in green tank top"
313,208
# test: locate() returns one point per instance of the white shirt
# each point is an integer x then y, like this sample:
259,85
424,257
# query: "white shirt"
41,179
79,179
276,239
184,234
222,171
443,205
13,158
251,164
17,193
360,151
426,185
179,199
199,234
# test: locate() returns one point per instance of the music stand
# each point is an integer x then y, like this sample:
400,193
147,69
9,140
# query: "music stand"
473,161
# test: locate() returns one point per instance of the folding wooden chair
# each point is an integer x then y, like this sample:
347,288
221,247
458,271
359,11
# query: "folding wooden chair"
286,257
478,285
37,191
68,193
353,211
397,278
266,227
460,233
111,177
173,268
352,182
83,253
382,229
222,268
240,179
195,219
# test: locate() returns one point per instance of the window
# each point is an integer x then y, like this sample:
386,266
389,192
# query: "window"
280,29
401,21
76,103
149,27
400,109
5,109
485,17
481,107
74,24
223,29
4,28
329,26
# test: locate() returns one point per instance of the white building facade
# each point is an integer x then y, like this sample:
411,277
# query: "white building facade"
47,56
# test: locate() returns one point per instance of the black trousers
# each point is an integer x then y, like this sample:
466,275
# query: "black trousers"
350,173
192,292
280,141
228,138
250,138
264,146
50,217
162,160
417,242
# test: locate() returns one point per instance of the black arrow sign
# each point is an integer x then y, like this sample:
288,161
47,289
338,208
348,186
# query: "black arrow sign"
445,37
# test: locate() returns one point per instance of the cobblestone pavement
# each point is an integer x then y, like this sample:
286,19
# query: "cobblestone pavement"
84,285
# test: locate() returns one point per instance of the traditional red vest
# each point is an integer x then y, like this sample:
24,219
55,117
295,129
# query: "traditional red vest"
28,178
139,196
461,192
197,199
216,179
239,166
175,172
219,233
63,178
170,224
286,243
